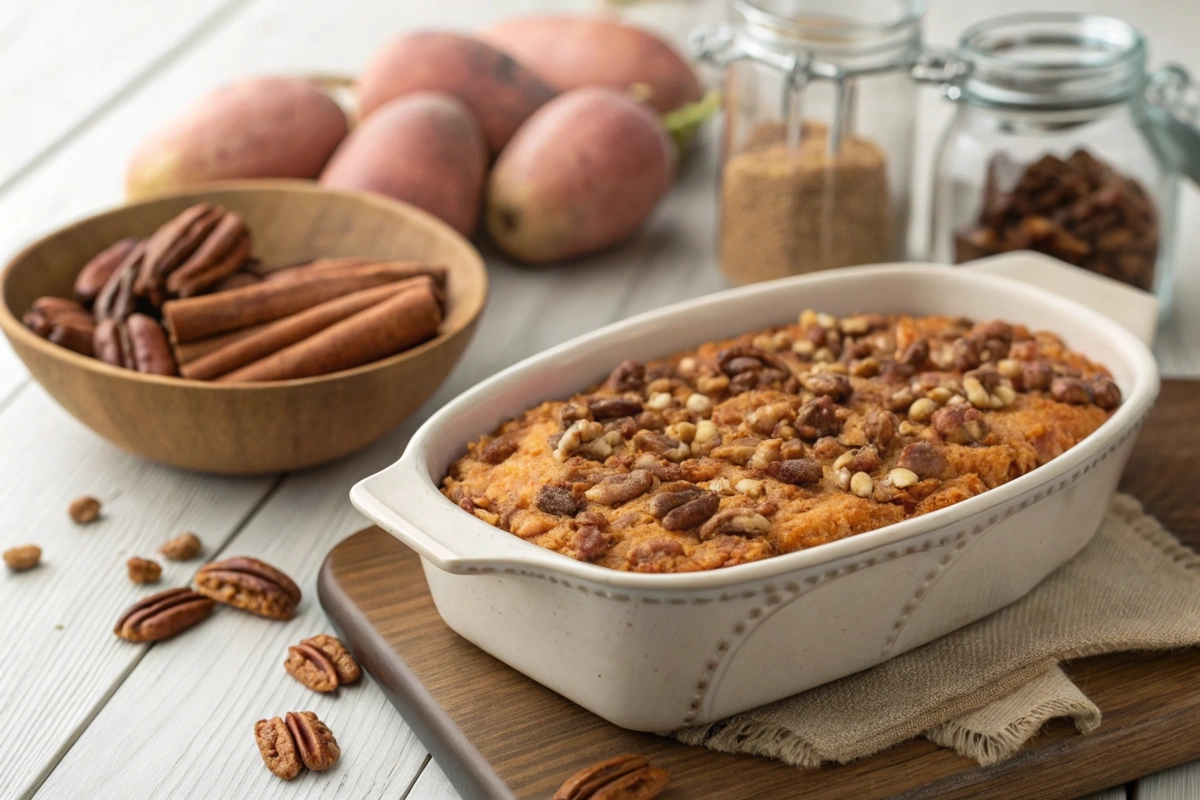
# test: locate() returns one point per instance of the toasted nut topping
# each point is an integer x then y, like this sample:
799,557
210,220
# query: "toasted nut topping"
487,516
749,487
767,452
683,431
559,501
801,471
902,478
922,409
940,395
901,399
1010,368
687,366
692,513
613,407
1070,390
843,460
804,348
698,403
842,477
736,522
660,401
1007,394
84,510
1105,393
659,385
824,354
826,320
671,449
976,394
960,424
924,459
617,489
712,384
19,559
706,430
862,485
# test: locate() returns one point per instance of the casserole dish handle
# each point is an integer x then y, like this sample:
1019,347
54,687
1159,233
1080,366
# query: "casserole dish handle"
1134,310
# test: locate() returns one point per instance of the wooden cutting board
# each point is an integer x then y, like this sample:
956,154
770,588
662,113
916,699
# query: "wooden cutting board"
499,734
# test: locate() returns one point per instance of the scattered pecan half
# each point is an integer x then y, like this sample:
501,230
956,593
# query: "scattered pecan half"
163,615
613,407
624,777
277,747
617,489
143,570
314,741
322,663
251,585
737,522
84,510
19,559
183,547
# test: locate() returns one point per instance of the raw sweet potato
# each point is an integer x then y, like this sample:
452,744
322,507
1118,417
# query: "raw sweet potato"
582,174
498,90
426,149
268,127
568,52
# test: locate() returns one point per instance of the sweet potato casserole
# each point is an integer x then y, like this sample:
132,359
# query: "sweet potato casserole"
782,439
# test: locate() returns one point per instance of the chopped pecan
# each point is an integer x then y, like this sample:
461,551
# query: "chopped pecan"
183,547
658,466
816,418
314,741
798,471
692,513
650,421
916,354
1105,393
612,407
590,543
736,452
617,489
924,459
24,557
879,426
671,496
1037,375
865,459
1070,390
828,384
277,748
571,413
251,585
84,510
665,446
163,615
629,376
737,522
959,424
500,448
143,570
653,555
558,500
828,448
311,667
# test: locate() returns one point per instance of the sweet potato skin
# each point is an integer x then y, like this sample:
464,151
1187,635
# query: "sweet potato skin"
500,92
582,174
426,149
267,127
573,51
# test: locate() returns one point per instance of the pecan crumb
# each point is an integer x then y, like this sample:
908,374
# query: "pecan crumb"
19,559
84,510
143,570
183,547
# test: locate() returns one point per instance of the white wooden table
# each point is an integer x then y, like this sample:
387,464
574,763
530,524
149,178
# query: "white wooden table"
82,713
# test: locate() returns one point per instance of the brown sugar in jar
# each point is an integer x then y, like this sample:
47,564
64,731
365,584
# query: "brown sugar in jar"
789,209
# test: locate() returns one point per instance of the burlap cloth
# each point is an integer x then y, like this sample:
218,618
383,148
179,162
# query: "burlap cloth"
986,689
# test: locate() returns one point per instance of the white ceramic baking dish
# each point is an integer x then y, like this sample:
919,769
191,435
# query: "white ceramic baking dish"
657,652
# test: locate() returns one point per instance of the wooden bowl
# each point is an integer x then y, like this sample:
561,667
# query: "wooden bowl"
250,428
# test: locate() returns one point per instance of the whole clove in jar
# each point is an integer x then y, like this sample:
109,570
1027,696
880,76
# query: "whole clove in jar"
1079,210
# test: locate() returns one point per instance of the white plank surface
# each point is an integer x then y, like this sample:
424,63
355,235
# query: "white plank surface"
1180,783
56,678
189,704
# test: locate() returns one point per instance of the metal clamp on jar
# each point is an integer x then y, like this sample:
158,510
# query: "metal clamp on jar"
819,127
1062,143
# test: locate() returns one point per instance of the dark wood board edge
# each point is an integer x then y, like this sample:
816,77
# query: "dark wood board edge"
466,768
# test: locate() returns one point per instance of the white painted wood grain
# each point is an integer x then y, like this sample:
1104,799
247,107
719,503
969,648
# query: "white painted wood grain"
432,785
63,61
64,660
1180,783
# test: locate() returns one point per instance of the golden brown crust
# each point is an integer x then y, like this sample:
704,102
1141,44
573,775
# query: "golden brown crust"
782,439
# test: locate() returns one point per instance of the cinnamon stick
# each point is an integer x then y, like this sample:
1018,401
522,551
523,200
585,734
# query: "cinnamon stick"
190,351
277,335
296,270
384,329
198,317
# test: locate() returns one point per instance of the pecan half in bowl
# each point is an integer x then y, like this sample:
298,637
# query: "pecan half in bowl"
657,651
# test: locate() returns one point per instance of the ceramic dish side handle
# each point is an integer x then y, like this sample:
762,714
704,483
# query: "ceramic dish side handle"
1134,310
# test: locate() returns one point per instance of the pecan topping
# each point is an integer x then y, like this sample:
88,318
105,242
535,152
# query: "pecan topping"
613,407
163,615
19,559
629,376
590,543
314,741
143,570
692,513
665,446
183,547
558,500
798,471
617,489
924,459
658,467
500,448
1037,375
828,384
879,426
311,667
865,459
84,510
959,424
916,354
624,777
571,413
251,585
672,496
736,521
1105,393
1070,390
277,747
818,418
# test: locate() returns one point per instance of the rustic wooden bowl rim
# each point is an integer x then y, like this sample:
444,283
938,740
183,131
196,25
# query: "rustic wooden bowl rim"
13,327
